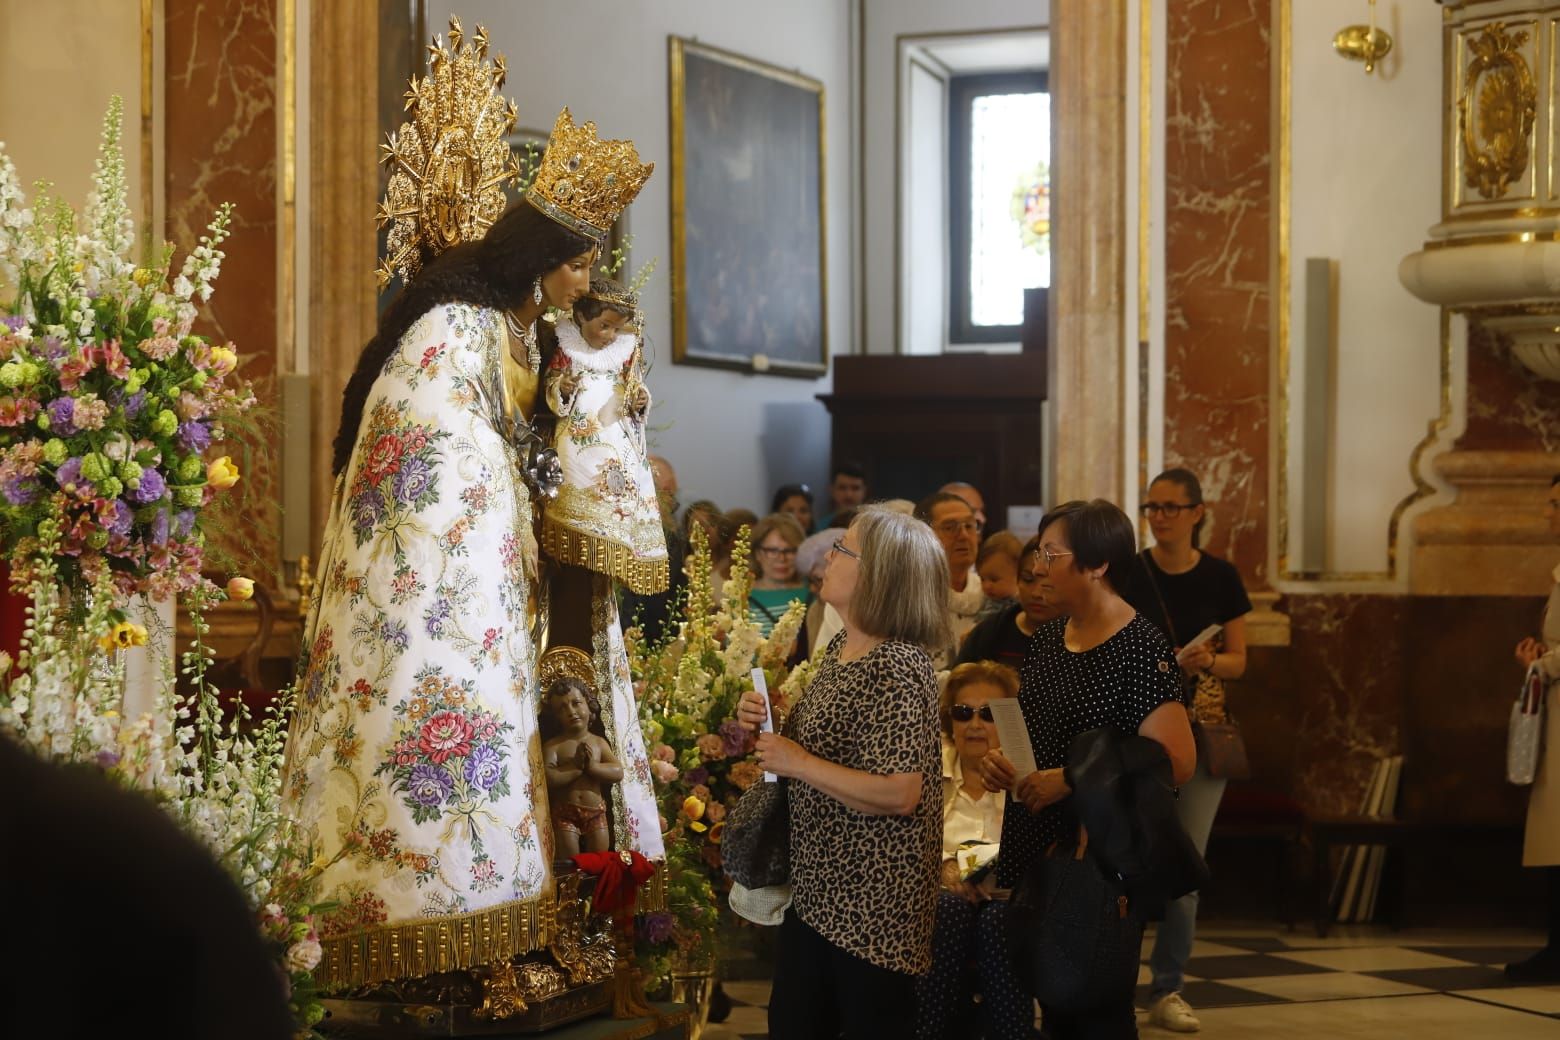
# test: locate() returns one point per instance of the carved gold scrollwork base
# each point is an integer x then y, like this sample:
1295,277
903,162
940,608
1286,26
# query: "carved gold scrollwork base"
501,997
569,931
1495,134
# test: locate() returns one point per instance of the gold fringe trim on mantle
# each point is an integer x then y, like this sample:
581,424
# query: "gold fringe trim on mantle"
604,556
421,948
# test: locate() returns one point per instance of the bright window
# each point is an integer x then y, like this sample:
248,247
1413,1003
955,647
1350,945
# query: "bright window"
1001,202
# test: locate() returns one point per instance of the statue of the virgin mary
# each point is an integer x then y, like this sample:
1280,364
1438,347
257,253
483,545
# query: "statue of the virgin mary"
414,761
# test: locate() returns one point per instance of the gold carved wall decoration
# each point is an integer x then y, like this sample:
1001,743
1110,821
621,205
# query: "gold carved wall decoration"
1495,111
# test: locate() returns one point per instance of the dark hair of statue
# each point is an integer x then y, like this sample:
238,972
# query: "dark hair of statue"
496,271
588,308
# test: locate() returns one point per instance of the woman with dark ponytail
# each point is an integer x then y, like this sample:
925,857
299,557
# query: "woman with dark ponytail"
414,760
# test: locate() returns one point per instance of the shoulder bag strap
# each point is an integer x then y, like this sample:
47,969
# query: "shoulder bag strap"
1148,569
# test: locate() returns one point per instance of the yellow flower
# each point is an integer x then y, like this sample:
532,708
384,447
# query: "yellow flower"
693,808
240,588
221,473
223,360
123,636
698,827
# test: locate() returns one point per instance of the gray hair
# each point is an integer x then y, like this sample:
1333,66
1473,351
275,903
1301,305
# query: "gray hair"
902,583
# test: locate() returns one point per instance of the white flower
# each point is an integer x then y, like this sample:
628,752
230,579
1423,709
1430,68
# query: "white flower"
304,955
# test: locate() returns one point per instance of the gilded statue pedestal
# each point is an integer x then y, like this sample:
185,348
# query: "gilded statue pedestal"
535,992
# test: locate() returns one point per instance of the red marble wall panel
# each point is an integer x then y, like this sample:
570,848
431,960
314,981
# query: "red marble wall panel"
1218,200
220,118
1509,408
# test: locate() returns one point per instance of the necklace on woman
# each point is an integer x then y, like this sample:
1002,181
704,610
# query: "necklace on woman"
527,336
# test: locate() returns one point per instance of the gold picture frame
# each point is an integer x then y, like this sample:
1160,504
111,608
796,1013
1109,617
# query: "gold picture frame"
749,214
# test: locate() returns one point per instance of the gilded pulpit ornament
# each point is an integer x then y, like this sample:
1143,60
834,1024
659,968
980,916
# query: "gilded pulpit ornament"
1495,135
451,157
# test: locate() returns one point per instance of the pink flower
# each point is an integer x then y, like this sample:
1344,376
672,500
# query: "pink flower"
114,361
161,346
444,736
664,772
711,747
663,753
716,812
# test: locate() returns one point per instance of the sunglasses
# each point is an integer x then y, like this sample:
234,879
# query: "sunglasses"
966,712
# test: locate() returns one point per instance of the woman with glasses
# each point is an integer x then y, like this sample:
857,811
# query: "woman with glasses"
776,582
1183,590
860,754
1100,665
968,950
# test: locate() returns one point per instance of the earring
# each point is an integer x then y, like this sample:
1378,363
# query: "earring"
536,291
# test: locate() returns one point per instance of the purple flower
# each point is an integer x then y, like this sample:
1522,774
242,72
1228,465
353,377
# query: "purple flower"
13,321
70,473
21,491
368,509
393,633
733,738
152,488
429,785
183,523
657,928
436,615
159,531
62,416
484,767
122,519
697,775
411,480
53,348
195,436
134,403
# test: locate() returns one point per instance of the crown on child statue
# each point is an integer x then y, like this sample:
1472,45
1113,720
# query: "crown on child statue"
583,182
566,662
451,157
617,296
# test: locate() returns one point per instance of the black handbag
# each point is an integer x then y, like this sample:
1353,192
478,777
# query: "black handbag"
755,846
1074,935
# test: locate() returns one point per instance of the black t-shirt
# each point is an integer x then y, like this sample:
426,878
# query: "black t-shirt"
999,639
1117,684
1210,593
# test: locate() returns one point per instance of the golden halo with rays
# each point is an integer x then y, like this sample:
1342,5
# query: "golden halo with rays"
451,158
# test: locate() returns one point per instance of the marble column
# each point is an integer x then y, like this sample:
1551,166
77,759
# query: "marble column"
1088,112
1218,290
220,118
344,97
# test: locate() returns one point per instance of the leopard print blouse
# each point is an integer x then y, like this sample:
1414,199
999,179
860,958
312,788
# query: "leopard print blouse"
868,884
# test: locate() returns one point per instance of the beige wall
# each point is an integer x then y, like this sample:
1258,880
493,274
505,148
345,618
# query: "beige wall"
63,60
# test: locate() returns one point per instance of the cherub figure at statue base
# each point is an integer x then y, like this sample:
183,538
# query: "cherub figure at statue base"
579,764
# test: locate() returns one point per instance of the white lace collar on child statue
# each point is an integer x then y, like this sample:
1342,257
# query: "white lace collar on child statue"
610,358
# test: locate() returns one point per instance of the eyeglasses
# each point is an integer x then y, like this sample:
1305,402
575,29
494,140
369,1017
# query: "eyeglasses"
839,547
966,712
1052,555
773,552
1171,510
959,527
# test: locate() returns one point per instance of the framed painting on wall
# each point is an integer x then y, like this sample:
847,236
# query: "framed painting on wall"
748,220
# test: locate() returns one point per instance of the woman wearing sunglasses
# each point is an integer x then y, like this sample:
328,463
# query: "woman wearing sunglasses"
967,943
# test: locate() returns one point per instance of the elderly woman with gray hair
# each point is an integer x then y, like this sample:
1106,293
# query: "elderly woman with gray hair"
862,754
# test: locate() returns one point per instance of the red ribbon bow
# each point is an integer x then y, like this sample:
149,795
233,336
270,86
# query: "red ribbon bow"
619,877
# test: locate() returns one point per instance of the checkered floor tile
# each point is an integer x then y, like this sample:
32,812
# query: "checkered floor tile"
1361,983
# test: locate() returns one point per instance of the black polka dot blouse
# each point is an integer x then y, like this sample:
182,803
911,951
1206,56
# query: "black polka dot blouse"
1118,684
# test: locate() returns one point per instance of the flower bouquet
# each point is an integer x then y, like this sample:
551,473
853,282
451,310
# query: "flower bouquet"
700,756
110,411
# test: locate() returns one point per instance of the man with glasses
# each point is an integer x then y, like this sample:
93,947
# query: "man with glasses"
972,497
953,521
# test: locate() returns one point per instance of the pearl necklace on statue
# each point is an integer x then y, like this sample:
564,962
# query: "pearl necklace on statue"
527,336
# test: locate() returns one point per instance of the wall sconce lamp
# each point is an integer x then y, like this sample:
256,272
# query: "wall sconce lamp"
1364,42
